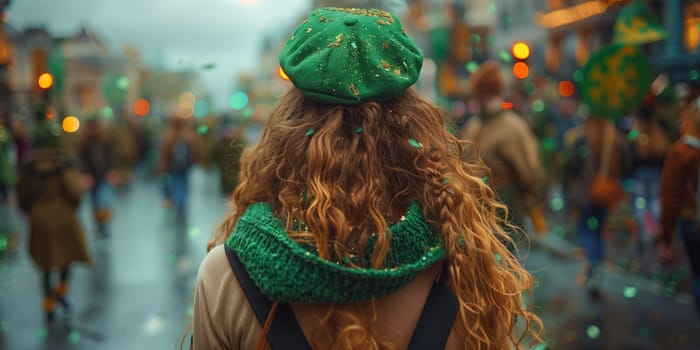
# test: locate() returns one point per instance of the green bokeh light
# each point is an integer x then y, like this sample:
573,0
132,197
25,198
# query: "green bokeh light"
74,337
123,82
239,100
557,204
201,109
593,332
530,88
108,112
538,106
592,223
640,203
504,55
472,66
629,292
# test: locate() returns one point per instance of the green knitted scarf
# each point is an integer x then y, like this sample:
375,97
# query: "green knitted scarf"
288,271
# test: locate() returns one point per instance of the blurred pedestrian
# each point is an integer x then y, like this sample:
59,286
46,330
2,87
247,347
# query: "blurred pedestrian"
98,158
356,223
7,166
22,141
596,165
650,142
680,196
178,153
506,144
228,150
49,191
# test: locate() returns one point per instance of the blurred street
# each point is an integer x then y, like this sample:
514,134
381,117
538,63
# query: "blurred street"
138,294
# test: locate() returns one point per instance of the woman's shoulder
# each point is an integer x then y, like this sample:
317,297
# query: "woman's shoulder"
214,265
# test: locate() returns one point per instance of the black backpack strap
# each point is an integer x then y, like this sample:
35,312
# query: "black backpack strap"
439,313
285,332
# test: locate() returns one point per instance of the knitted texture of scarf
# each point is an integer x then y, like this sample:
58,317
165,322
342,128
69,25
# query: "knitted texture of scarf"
288,271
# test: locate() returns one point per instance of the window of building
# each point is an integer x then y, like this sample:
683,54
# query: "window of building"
692,26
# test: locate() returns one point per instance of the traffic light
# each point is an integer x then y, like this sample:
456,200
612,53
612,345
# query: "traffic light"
520,52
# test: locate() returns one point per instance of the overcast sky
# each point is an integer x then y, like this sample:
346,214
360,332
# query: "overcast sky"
174,33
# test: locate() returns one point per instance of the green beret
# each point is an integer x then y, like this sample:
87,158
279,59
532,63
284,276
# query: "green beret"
350,56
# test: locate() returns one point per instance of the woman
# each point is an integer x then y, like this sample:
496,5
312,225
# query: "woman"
356,221
99,162
49,191
679,196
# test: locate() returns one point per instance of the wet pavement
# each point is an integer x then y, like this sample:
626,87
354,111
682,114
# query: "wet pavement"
139,291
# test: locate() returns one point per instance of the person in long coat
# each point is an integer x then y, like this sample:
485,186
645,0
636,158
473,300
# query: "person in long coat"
49,190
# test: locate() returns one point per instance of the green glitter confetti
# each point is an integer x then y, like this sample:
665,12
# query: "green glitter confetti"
42,333
193,232
414,143
541,346
583,151
629,292
644,332
578,76
530,88
123,82
557,203
359,130
592,223
476,38
492,7
640,203
633,135
202,130
504,55
472,66
3,243
74,337
107,112
248,113
548,143
507,21
310,132
498,257
593,332
559,232
538,106
445,181
485,180
694,75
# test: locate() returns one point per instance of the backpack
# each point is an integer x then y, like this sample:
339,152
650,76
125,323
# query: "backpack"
181,156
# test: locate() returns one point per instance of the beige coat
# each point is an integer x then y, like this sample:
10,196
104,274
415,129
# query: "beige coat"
223,318
510,149
49,192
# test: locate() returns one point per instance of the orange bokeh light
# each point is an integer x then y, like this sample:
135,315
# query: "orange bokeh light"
521,50
142,107
566,88
507,105
45,81
70,124
521,70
